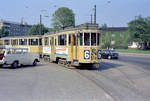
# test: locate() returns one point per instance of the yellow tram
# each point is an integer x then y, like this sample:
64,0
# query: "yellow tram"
76,46
32,42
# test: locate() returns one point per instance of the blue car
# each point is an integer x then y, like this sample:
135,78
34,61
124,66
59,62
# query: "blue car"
109,54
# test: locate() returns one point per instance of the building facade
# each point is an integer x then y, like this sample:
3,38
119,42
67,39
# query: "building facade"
14,28
115,37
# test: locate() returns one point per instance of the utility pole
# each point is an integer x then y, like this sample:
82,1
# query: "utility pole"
94,14
91,19
40,24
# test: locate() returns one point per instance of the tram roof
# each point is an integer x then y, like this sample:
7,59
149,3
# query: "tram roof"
85,26
22,36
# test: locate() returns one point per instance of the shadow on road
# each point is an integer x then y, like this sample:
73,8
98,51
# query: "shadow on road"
22,67
102,66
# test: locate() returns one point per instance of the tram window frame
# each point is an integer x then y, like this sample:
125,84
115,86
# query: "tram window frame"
7,42
69,39
22,41
87,42
31,42
98,39
81,39
62,40
14,42
93,39
46,41
40,41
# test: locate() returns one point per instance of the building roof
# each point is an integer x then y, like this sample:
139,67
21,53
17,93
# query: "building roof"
114,29
11,22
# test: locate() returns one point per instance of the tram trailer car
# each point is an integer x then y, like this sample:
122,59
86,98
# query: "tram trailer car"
32,42
79,45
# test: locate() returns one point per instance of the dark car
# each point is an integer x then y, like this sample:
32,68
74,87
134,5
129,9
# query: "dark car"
109,54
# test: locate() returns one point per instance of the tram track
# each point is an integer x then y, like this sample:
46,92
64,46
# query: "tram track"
127,85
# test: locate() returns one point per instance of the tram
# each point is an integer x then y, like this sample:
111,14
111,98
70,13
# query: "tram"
32,42
79,45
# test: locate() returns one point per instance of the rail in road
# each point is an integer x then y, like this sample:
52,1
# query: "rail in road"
119,89
120,80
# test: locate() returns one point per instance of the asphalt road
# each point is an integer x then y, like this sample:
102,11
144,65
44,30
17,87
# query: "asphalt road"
47,82
125,79
142,60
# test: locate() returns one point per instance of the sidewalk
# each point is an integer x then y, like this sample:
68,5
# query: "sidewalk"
135,54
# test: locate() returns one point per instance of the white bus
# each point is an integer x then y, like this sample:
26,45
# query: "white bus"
16,56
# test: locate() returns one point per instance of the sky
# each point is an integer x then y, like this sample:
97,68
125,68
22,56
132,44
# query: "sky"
115,13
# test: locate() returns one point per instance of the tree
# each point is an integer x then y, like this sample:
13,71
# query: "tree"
140,30
104,25
63,17
3,32
35,30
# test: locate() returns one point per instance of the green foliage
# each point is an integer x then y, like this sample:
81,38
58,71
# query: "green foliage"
104,25
121,39
36,30
140,29
4,32
63,17
134,51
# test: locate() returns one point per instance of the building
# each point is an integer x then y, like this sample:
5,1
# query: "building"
15,28
116,37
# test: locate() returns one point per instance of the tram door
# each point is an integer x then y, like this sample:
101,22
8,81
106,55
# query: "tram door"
74,46
53,48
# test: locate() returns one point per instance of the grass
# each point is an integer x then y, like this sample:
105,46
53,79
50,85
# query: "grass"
133,51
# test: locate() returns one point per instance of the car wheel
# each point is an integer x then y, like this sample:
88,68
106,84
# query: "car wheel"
1,65
15,65
109,57
35,63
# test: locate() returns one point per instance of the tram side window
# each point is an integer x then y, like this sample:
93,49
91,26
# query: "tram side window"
93,39
81,39
69,39
40,41
86,39
33,41
7,42
98,38
14,42
62,40
46,40
22,41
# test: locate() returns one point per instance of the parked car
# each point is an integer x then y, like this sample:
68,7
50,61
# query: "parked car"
16,56
109,54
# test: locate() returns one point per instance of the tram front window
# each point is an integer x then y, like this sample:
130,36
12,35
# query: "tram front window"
98,39
93,39
87,39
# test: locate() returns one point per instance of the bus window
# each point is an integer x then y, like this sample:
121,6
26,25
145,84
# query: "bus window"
87,39
81,39
98,38
22,41
93,39
6,42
